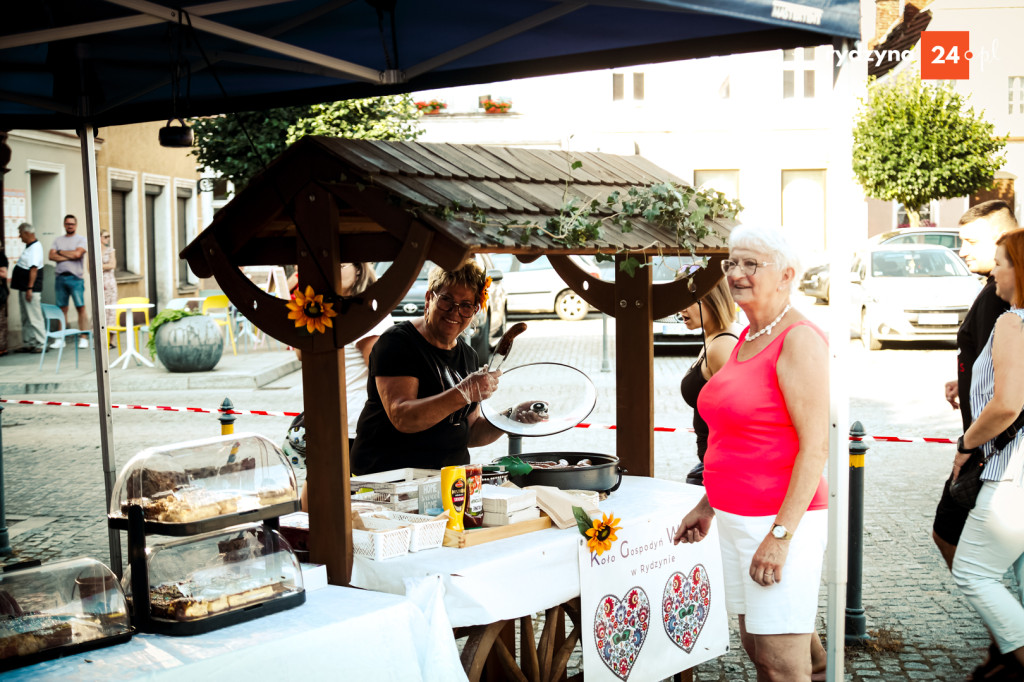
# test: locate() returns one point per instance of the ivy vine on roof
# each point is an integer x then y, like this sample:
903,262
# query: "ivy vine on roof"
680,208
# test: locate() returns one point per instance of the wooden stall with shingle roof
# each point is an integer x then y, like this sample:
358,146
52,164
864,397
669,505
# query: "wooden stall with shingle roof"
327,200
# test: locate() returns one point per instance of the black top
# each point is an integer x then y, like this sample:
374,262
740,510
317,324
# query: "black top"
402,351
691,385
971,340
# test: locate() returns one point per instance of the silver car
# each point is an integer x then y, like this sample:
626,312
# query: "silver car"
908,292
535,287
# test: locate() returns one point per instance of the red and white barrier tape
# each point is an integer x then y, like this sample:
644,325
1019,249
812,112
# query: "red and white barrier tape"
271,413
158,408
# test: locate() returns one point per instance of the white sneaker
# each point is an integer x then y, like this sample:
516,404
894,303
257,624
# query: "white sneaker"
83,342
59,343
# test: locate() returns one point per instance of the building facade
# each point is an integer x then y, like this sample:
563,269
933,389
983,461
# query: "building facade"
147,195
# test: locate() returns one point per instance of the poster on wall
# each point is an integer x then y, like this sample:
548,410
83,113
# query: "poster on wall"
648,608
15,213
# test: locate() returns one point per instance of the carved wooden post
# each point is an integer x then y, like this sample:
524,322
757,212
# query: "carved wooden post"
634,371
323,391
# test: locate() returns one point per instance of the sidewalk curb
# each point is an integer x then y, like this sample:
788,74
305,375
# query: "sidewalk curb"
161,382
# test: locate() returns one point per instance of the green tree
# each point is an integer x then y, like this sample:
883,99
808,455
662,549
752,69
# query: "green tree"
914,142
222,143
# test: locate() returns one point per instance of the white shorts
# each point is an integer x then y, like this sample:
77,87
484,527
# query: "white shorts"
790,605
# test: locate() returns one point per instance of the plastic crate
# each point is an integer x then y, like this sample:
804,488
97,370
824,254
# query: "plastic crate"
385,502
397,489
427,531
382,540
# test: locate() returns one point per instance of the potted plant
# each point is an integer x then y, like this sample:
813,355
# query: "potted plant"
496,106
185,341
433,106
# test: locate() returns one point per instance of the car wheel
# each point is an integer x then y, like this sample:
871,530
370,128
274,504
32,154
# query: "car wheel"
867,334
569,306
481,341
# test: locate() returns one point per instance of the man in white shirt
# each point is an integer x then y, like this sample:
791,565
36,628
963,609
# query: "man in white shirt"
27,279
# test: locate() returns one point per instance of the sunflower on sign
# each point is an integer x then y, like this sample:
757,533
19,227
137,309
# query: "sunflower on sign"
308,308
600,533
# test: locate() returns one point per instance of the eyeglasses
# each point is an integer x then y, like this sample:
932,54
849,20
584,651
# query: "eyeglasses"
446,303
747,266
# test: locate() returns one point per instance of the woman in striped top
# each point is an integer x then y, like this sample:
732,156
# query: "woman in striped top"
993,537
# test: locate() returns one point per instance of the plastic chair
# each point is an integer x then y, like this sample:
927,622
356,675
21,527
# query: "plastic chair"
219,308
52,313
120,324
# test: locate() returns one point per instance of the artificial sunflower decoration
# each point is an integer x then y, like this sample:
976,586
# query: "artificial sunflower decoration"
309,309
600,534
484,293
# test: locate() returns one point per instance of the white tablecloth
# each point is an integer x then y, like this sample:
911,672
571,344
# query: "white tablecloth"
339,633
521,575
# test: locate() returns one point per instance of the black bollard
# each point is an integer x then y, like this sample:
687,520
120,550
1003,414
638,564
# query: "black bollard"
856,622
227,420
5,538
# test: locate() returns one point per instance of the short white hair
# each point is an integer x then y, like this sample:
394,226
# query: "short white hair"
770,241
26,227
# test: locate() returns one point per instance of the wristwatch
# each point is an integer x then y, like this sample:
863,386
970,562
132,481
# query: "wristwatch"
779,531
960,447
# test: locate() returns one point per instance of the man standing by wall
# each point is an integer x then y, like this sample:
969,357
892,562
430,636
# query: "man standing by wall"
27,279
69,253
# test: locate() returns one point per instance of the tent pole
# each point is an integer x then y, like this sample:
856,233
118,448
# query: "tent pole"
846,221
99,330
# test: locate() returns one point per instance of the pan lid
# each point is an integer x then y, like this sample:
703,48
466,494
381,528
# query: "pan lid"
540,399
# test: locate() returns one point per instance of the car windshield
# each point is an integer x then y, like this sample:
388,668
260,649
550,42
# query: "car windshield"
917,263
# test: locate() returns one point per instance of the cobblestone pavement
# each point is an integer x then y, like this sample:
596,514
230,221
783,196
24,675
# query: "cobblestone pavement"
922,627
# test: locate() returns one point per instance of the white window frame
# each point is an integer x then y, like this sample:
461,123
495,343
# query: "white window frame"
132,228
933,210
800,66
628,85
190,223
163,238
1015,86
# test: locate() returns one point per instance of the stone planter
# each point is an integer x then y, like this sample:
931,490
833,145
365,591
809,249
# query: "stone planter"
191,344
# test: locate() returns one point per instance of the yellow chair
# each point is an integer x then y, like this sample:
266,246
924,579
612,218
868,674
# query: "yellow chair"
219,308
120,321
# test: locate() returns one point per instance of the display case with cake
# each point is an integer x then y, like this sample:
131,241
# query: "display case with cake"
57,609
204,485
193,585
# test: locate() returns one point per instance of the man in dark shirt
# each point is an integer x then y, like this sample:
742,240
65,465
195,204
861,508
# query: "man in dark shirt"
980,227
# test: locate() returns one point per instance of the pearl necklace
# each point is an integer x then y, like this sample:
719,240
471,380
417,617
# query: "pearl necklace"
768,329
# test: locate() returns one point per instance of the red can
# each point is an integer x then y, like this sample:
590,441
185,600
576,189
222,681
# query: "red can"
474,517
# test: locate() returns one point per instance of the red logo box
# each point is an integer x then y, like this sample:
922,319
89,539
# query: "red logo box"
945,55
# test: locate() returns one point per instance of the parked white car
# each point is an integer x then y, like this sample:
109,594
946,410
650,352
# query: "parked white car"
909,292
535,287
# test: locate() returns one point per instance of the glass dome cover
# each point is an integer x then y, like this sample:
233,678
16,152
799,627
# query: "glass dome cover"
188,482
58,608
219,572
540,399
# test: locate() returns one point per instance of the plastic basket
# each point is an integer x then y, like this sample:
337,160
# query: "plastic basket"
382,541
427,531
387,501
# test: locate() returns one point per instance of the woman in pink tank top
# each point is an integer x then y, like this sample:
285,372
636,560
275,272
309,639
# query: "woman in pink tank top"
767,412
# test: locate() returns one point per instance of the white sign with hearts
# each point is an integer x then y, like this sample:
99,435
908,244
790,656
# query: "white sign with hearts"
649,608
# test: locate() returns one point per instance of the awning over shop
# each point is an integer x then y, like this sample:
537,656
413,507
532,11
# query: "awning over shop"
108,62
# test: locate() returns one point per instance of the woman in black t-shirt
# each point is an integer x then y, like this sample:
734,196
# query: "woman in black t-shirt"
716,315
422,408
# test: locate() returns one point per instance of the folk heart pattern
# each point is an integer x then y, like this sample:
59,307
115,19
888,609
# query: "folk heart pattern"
620,629
685,606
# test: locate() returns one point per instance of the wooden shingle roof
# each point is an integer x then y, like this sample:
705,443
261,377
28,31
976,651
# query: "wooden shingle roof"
902,37
489,188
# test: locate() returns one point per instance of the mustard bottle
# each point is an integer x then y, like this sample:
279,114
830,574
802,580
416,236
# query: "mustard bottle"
453,495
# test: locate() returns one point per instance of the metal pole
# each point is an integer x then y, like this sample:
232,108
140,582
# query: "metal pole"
515,445
99,329
5,538
227,421
856,622
605,365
